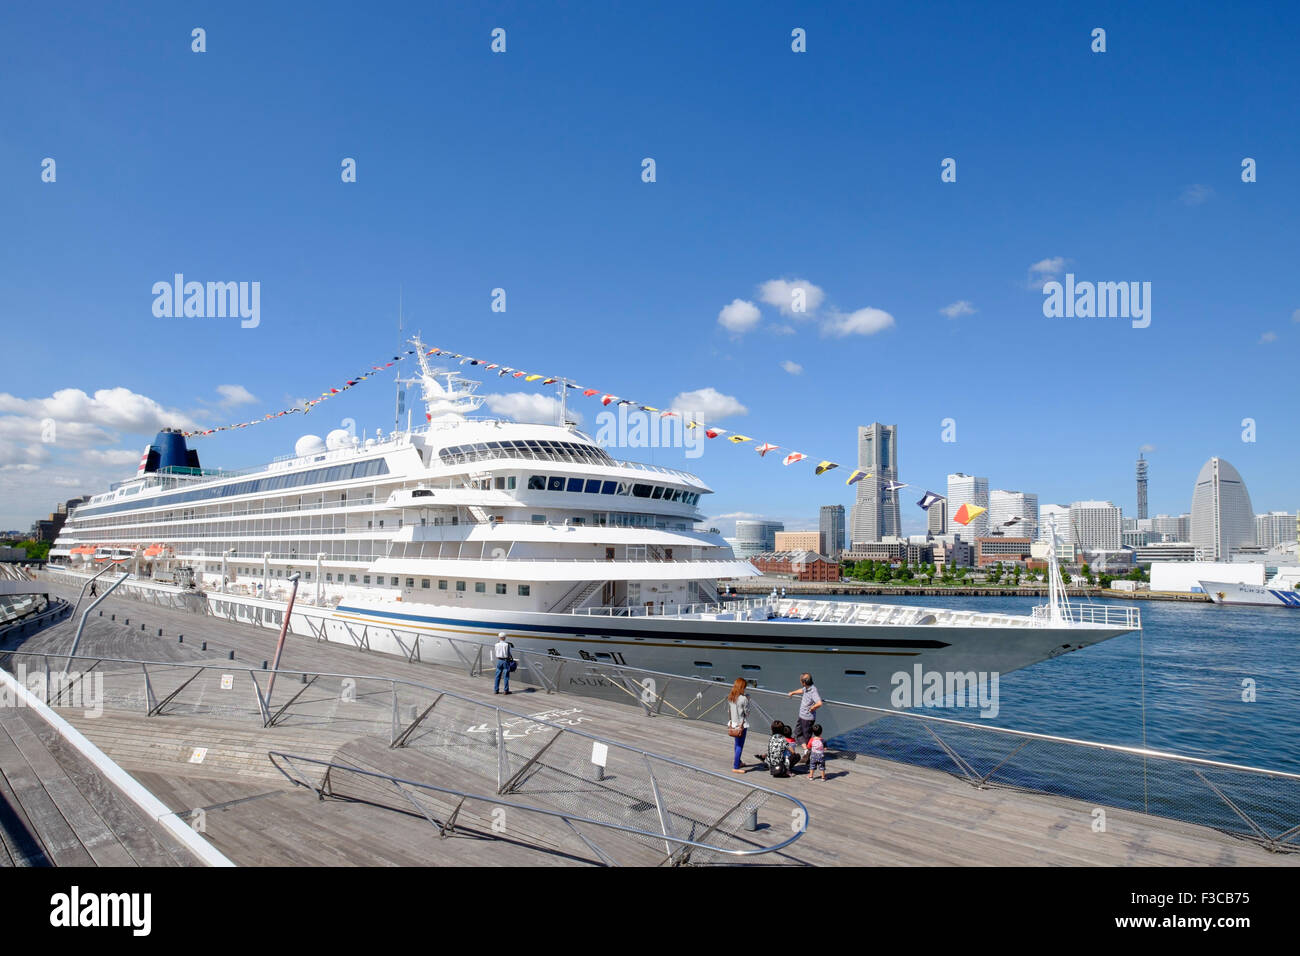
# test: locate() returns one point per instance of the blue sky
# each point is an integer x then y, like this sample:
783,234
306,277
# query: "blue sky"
522,171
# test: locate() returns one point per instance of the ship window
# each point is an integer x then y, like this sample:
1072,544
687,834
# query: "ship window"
593,486
424,582
658,493
393,581
460,585
855,673
329,577
555,483
641,491
575,484
539,519
750,667
501,589
608,487
537,483
352,578
365,579
442,585
498,482
524,590
479,587
510,483
703,663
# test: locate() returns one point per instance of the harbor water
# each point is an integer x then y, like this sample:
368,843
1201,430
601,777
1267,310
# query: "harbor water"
1201,665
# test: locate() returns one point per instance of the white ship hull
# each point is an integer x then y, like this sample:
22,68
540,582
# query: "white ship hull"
1257,595
851,663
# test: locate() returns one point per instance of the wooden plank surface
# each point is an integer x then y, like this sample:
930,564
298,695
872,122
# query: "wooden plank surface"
872,811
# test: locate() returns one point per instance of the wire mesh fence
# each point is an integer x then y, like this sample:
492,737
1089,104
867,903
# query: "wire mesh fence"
1254,803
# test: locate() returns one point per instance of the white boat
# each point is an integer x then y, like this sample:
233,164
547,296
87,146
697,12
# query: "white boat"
1278,591
466,527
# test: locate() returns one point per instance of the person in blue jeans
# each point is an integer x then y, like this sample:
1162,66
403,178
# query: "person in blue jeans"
738,718
504,659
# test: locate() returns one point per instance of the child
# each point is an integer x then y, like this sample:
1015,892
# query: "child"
816,752
780,753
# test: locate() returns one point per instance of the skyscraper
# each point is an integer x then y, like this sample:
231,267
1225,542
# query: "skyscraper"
1096,526
1055,517
1005,505
875,513
936,520
968,490
1142,487
832,531
755,537
1275,528
1222,518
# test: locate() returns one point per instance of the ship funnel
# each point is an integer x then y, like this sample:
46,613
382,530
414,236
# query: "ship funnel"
169,450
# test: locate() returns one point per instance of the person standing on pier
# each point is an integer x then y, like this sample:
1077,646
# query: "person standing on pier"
808,705
738,721
504,659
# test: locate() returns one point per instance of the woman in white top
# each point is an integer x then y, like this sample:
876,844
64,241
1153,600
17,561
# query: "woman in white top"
738,705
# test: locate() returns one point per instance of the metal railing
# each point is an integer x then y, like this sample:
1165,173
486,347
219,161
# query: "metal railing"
1099,614
1254,803
437,807
658,809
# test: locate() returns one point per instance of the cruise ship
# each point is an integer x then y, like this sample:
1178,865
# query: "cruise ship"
467,526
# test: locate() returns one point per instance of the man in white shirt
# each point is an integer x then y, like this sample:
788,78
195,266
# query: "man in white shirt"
504,659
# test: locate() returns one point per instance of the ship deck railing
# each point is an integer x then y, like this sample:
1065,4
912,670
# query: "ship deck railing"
863,613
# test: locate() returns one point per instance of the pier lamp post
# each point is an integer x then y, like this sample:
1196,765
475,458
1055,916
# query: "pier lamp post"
225,570
266,573
320,557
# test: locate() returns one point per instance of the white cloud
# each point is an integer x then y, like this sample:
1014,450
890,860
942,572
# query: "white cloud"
783,330
117,408
1295,316
782,294
1049,267
530,407
1147,449
957,309
232,395
794,368
739,316
1196,194
866,321
708,404
113,456
1267,337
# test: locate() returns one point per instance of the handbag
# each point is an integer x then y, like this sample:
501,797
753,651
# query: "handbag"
736,731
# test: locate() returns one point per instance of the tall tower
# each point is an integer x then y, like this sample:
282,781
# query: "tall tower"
875,514
832,531
1222,518
1142,487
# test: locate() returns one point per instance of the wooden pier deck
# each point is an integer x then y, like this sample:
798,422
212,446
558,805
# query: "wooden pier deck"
871,812
57,809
